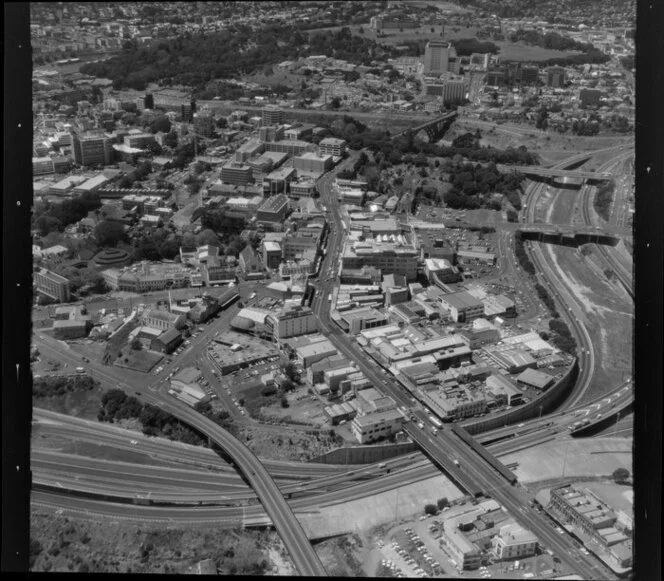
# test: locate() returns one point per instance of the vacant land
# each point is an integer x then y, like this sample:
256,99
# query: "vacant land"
138,360
340,556
66,544
287,444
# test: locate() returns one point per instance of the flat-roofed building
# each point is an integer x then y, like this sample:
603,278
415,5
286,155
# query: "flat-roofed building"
398,257
92,150
462,306
504,390
279,180
236,173
272,115
312,163
304,188
371,427
292,322
314,352
138,140
52,285
272,254
536,379
332,146
42,166
476,257
247,150
290,146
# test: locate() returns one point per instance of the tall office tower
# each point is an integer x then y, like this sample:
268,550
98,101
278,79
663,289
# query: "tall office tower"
436,57
92,149
204,123
272,115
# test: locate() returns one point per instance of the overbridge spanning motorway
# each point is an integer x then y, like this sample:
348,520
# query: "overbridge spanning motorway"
537,170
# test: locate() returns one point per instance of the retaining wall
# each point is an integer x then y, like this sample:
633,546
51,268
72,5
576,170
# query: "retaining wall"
365,454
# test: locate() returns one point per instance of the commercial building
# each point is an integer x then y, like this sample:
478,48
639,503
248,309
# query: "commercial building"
138,140
271,133
463,306
315,352
204,123
145,277
513,542
312,163
555,77
247,150
332,146
371,427
236,173
392,22
52,285
232,351
279,180
272,115
587,511
291,322
92,150
290,146
302,189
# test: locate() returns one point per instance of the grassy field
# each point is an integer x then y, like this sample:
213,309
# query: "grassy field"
522,52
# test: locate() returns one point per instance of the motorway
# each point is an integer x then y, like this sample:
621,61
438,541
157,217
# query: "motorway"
303,555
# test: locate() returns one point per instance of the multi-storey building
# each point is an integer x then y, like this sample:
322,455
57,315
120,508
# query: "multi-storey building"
374,426
437,54
52,285
389,257
92,149
313,163
203,123
290,146
555,77
513,542
271,133
291,322
42,166
295,244
138,140
272,115
462,306
332,146
236,173
302,188
271,254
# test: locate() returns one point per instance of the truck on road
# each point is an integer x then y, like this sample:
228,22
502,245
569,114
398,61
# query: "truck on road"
80,370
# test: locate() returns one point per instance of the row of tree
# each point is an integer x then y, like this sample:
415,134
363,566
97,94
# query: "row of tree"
603,199
52,385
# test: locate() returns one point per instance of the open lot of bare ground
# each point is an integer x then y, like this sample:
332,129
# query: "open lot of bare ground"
69,544
138,360
571,458
287,444
342,556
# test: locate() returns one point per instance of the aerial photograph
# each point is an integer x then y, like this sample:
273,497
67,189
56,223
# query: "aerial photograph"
333,288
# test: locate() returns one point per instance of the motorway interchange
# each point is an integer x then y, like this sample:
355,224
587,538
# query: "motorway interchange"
274,508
